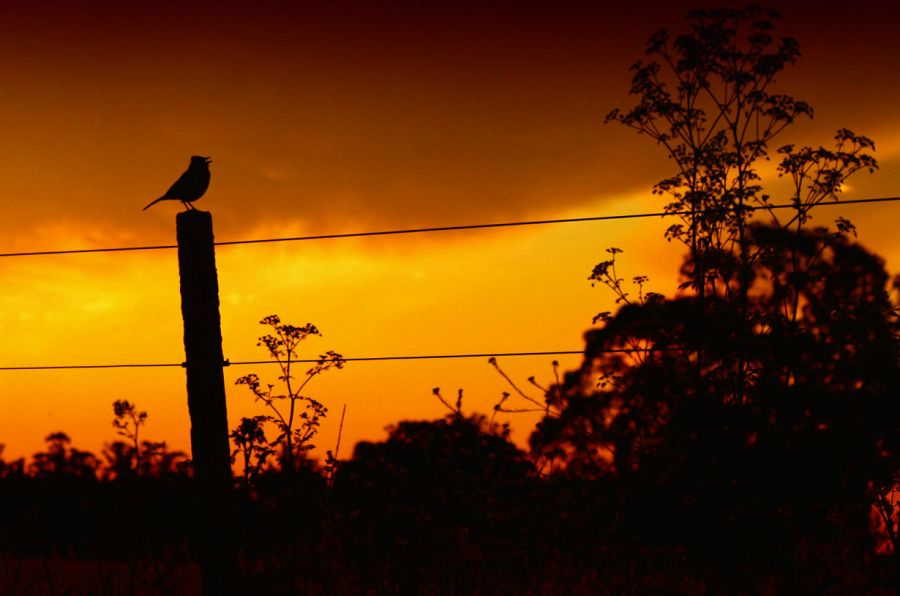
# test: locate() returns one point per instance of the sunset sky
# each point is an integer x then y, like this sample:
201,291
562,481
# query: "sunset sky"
334,117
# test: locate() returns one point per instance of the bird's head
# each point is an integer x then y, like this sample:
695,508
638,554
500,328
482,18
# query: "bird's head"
199,160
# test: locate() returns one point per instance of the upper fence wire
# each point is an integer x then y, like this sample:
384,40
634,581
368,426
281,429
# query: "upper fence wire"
479,226
598,218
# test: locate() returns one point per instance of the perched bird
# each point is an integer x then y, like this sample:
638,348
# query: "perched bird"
190,186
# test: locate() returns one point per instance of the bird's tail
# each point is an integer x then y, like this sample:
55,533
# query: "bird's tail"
152,203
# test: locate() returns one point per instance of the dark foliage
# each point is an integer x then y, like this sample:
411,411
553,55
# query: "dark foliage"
781,468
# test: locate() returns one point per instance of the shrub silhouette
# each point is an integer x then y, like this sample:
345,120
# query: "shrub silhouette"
435,496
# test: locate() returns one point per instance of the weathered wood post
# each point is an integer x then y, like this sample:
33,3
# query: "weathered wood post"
206,400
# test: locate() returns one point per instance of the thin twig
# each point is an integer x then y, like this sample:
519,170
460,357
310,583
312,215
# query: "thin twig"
337,446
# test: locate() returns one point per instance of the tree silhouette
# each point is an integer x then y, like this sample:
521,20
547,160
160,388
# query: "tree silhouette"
756,411
127,422
10,469
63,460
118,459
806,445
157,461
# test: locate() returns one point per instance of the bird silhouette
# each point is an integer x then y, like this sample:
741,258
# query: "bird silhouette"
190,186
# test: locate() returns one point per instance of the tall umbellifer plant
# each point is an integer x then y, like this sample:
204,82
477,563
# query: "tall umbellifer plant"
707,98
296,416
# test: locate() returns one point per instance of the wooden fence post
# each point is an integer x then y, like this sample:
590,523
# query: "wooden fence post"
206,400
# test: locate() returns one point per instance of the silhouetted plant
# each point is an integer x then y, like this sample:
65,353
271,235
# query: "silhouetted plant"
547,404
296,416
10,468
818,174
63,460
118,460
706,97
139,457
249,438
128,422
800,446
762,397
455,409
157,461
435,498
605,273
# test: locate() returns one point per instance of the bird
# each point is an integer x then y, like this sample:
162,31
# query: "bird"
190,186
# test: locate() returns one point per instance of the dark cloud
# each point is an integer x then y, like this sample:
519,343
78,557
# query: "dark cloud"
384,113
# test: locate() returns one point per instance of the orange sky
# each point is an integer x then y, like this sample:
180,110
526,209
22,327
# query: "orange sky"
330,117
